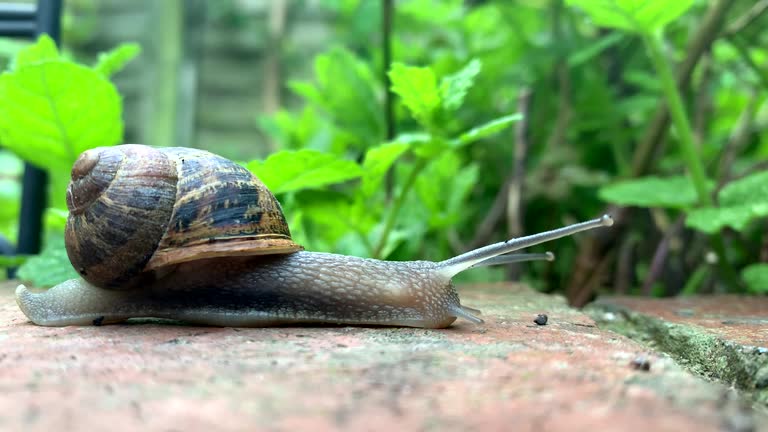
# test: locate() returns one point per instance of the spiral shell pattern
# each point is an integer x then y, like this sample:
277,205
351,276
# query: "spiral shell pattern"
135,208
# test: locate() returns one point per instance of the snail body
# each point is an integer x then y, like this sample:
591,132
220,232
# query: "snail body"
184,234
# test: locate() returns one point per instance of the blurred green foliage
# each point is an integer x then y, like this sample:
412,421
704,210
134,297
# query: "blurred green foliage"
51,110
569,88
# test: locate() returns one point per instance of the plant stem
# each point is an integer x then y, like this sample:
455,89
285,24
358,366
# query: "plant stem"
654,44
679,119
398,204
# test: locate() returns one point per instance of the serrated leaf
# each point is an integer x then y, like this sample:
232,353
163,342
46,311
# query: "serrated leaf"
114,61
51,111
288,171
641,16
741,202
50,267
487,129
377,162
756,278
417,87
453,88
346,89
668,192
43,49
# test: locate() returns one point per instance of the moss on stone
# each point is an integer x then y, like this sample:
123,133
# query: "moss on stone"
700,351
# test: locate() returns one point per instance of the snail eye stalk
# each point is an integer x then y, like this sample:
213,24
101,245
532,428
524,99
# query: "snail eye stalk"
495,253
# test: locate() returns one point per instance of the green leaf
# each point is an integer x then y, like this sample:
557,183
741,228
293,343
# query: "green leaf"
56,218
642,16
10,198
417,87
431,148
756,278
114,61
288,171
50,267
487,129
347,90
43,49
741,202
669,192
592,50
453,88
377,162
12,261
51,111
752,189
443,188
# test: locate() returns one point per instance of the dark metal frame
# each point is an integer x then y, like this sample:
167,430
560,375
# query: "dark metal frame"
29,21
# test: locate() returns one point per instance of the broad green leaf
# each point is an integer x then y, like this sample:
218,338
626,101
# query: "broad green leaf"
741,202
417,87
114,61
756,278
589,52
288,171
10,197
487,129
56,218
43,49
669,192
444,187
711,220
346,89
50,267
377,162
308,91
51,111
453,88
431,149
752,189
12,261
642,16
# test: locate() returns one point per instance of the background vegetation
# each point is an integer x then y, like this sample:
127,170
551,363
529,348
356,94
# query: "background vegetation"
450,124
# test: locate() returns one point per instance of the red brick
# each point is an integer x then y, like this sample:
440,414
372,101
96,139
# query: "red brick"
508,374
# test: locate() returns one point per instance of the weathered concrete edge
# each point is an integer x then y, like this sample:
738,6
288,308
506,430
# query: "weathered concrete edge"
696,349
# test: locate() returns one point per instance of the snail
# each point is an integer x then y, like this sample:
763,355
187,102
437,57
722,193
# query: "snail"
183,234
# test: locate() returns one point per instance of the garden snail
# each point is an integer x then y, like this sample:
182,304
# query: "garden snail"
184,234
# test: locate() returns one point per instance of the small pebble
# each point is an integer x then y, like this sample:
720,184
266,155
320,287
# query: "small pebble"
641,362
541,319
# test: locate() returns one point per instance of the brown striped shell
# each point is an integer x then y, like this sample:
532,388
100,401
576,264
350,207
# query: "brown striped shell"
134,209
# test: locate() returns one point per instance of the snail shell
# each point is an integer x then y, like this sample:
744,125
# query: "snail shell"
135,209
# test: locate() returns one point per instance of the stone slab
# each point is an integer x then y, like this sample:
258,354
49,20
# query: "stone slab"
723,337
740,319
507,374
